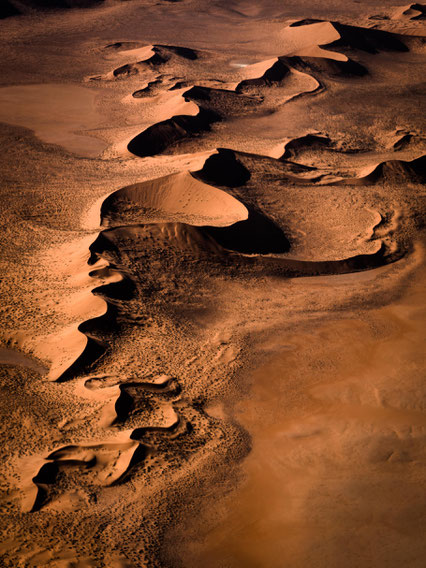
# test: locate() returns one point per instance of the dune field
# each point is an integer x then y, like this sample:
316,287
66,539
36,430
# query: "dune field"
213,267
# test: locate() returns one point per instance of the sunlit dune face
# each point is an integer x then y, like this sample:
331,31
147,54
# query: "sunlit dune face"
212,281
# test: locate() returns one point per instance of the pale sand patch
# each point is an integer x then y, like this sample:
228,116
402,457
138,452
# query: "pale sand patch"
58,114
338,440
15,358
138,54
300,38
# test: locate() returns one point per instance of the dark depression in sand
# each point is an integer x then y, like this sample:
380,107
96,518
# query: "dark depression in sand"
213,304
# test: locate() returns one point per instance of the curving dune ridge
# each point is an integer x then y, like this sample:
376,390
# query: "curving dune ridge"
412,12
179,196
396,171
165,134
157,55
213,269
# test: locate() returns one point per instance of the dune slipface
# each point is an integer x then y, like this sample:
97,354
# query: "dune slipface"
8,9
213,261
411,12
166,134
157,57
176,196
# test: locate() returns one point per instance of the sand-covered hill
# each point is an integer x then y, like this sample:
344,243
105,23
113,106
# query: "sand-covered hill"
213,305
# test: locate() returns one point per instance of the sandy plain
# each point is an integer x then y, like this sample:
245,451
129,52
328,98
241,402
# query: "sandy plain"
213,284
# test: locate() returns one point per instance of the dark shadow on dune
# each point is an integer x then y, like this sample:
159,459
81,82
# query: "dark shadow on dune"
122,290
171,386
185,52
366,39
139,455
48,473
124,45
308,142
304,22
256,235
162,54
327,67
95,348
70,461
93,351
162,135
358,38
101,244
127,70
179,85
63,458
179,427
46,476
395,171
132,393
147,91
419,8
223,169
130,69
294,268
59,4
123,405
7,9
222,101
404,142
272,77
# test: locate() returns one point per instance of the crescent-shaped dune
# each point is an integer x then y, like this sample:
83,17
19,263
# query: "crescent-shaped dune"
411,11
335,37
212,279
153,56
394,171
178,196
166,134
326,67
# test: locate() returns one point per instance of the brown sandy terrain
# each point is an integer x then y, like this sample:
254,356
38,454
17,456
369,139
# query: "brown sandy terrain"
55,113
213,267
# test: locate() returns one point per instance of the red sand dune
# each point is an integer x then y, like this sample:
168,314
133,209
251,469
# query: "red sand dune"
213,307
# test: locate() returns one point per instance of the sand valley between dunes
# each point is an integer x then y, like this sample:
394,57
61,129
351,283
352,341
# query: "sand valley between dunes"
213,262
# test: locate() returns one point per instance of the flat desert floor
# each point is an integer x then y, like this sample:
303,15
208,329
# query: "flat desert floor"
213,302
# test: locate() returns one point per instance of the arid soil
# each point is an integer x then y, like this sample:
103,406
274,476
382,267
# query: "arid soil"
213,284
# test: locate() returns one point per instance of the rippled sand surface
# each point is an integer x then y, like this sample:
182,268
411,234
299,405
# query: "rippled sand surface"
212,279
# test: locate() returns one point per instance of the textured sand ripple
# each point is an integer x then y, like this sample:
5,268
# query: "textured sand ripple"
228,298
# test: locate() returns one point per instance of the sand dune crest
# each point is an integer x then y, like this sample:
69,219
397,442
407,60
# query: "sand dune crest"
166,134
396,171
412,11
179,196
